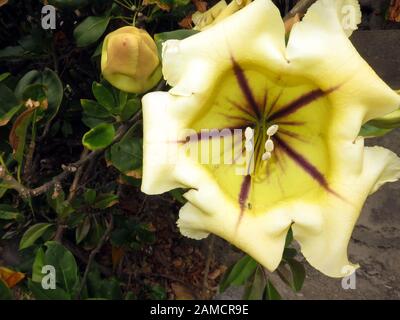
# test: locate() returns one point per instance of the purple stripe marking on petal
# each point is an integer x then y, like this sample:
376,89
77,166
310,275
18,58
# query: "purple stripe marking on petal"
243,196
303,163
300,102
244,86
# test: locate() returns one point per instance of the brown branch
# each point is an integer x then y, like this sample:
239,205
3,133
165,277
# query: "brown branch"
67,169
299,9
93,254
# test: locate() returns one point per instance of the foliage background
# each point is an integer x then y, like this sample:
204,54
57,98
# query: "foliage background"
82,210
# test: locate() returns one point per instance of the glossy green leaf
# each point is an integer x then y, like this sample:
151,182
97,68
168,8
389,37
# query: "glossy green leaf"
4,76
89,196
239,273
298,274
64,263
256,287
99,137
131,107
32,234
93,109
105,200
5,292
82,230
52,85
18,134
104,97
7,212
90,30
9,105
270,292
99,288
37,266
42,294
370,131
126,155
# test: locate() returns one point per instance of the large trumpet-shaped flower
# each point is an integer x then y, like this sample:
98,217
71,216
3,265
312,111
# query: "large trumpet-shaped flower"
308,98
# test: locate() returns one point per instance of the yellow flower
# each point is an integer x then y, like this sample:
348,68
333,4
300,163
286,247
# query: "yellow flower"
217,13
309,97
129,60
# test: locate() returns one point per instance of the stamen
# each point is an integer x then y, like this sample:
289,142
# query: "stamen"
266,156
272,130
249,134
269,145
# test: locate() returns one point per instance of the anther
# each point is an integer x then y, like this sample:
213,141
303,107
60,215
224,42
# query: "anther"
269,145
248,133
266,156
272,130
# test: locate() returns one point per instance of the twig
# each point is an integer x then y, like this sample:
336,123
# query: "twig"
77,177
300,8
93,254
77,252
210,248
26,192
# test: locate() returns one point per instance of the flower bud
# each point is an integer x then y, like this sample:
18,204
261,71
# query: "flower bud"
129,60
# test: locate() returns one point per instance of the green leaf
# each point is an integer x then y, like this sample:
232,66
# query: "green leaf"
255,288
82,231
9,105
90,30
52,294
270,292
99,288
35,92
289,253
32,234
4,76
122,100
105,200
98,50
89,196
93,122
94,109
62,207
126,155
5,292
37,266
52,85
7,212
104,97
370,131
159,38
18,133
131,107
289,237
64,263
99,137
298,274
239,273
177,194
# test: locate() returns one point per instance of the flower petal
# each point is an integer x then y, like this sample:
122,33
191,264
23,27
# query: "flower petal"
319,50
194,64
324,229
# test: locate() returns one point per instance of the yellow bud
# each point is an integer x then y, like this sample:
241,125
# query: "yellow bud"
129,60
